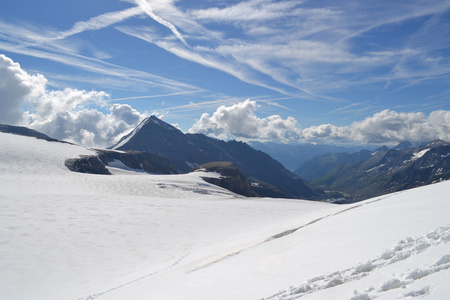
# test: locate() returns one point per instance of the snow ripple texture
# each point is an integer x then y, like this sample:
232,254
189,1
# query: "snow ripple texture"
403,250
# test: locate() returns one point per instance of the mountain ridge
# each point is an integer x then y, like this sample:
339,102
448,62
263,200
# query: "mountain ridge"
25,131
188,151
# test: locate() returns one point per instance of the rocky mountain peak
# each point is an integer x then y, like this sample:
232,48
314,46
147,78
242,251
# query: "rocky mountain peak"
436,143
155,121
381,150
151,127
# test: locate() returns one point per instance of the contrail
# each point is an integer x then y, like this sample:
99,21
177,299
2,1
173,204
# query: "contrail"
145,6
100,21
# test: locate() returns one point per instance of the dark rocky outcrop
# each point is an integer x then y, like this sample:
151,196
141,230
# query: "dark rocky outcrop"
138,160
231,178
87,164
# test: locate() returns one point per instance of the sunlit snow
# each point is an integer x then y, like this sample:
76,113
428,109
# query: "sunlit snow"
68,235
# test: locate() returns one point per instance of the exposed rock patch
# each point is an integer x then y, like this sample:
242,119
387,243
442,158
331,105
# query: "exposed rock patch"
231,178
87,164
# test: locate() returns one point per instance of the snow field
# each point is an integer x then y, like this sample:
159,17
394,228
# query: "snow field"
66,235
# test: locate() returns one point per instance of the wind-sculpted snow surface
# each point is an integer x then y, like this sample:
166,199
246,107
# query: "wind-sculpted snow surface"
133,235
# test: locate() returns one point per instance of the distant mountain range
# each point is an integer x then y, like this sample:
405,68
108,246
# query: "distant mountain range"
294,155
320,165
269,178
367,174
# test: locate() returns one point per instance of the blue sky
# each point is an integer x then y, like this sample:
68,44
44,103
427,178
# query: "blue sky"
286,71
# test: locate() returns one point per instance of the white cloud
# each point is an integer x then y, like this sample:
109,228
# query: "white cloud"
240,120
15,86
389,126
126,113
88,127
65,100
68,114
385,127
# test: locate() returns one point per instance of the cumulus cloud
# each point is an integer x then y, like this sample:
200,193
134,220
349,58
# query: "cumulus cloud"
15,85
88,127
240,120
69,114
389,126
385,127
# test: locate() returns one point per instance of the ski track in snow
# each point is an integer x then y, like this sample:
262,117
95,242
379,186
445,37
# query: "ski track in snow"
403,250
96,295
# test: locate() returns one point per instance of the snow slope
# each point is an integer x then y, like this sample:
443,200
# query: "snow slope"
67,235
